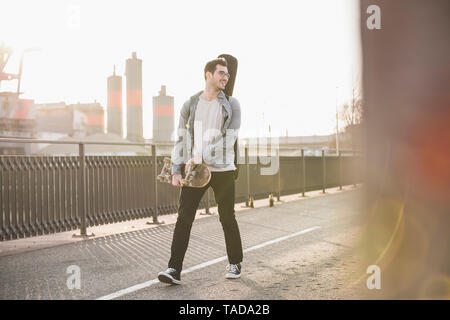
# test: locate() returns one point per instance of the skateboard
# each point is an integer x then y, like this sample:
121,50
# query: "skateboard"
195,175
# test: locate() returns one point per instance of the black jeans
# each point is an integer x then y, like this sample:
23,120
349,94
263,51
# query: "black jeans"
223,187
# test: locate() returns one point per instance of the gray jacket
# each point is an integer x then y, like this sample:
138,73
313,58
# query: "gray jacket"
220,150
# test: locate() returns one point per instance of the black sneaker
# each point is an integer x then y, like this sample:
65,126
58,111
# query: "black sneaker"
171,276
234,271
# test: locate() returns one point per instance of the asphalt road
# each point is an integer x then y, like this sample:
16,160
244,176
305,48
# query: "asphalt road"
320,263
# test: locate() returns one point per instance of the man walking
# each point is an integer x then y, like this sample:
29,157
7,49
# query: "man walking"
209,121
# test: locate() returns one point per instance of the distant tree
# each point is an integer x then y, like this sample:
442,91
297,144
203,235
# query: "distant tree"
352,114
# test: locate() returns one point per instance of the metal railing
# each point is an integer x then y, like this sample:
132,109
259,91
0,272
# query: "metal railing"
49,194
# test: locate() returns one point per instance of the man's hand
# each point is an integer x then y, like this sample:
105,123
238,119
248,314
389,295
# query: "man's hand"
176,180
195,160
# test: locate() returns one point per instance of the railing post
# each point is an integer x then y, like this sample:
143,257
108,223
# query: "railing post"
356,168
2,232
207,212
13,198
279,173
303,172
247,164
155,168
340,169
82,189
324,172
155,174
82,192
207,202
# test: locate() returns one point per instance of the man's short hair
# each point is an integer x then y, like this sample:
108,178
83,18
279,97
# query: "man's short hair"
211,65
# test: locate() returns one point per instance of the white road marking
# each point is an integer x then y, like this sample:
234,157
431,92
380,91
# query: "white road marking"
203,265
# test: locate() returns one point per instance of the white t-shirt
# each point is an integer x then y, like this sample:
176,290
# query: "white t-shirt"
208,118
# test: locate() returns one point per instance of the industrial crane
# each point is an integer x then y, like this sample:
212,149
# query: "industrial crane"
5,54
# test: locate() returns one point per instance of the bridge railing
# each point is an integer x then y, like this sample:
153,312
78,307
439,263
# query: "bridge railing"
49,194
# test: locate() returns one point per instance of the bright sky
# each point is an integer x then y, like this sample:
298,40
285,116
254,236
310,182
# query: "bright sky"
292,54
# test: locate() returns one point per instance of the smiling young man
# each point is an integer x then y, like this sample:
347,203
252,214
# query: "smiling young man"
209,121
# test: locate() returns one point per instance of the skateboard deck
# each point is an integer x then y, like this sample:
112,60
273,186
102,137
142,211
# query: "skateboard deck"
194,175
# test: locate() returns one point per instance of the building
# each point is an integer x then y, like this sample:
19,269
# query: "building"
73,119
133,73
163,117
114,104
93,117
16,120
